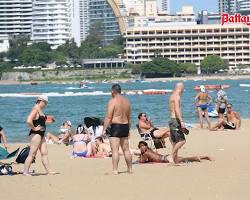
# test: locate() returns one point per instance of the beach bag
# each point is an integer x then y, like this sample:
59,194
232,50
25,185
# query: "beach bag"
22,156
6,169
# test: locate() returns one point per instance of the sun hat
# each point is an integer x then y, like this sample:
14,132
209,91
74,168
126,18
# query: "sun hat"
202,88
69,123
43,98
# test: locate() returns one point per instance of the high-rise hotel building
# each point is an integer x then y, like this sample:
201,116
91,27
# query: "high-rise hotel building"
189,43
52,21
101,11
234,6
15,17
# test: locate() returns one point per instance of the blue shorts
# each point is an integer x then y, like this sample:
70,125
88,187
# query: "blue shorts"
203,106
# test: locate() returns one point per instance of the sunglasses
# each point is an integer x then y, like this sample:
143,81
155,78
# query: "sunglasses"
144,115
229,107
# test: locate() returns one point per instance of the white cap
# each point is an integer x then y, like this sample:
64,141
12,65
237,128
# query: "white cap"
202,88
43,98
69,123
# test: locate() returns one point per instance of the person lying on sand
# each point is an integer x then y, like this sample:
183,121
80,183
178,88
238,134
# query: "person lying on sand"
232,121
148,155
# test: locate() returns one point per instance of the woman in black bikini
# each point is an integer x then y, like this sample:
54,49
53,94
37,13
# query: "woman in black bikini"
37,122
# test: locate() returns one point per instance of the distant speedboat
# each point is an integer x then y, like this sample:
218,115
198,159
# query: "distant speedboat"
82,85
244,85
212,87
33,83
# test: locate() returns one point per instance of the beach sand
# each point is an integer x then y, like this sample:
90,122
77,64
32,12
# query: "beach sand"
226,178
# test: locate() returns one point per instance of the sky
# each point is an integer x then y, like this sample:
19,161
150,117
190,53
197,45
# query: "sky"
209,5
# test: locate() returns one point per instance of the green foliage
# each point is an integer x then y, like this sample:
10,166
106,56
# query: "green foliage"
212,64
136,68
188,68
69,49
161,65
34,56
17,46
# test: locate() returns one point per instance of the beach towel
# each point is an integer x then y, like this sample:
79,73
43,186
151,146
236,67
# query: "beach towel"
4,154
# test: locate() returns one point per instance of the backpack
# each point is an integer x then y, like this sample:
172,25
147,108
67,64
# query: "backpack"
22,156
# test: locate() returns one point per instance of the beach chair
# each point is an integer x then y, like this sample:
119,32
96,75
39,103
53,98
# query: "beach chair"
4,154
154,143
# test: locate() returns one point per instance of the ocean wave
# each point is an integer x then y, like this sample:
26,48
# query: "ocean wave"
55,94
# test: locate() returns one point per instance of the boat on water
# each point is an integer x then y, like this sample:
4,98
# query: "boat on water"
212,112
244,85
213,87
82,84
33,83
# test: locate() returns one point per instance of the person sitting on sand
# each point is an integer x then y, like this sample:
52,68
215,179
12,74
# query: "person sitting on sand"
103,148
148,155
232,121
3,138
65,134
202,100
81,143
146,126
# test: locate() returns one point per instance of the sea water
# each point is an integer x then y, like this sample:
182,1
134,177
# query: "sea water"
69,102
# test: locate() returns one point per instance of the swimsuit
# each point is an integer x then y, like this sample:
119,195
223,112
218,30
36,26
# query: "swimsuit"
119,130
42,122
80,154
203,106
176,134
221,110
229,125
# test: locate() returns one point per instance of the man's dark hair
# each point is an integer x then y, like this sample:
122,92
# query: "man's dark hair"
140,114
116,88
142,143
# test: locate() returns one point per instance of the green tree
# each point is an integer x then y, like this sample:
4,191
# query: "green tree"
212,64
69,49
189,68
161,65
34,56
17,45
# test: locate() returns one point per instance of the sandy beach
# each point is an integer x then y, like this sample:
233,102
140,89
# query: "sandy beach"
226,178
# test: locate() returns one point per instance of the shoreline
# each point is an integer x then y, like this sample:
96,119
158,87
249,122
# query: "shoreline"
194,78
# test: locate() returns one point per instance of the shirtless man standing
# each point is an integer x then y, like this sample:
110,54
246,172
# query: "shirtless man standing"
232,121
119,117
176,123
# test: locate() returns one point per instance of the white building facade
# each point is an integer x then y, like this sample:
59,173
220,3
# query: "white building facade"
189,44
4,43
15,17
163,6
52,21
